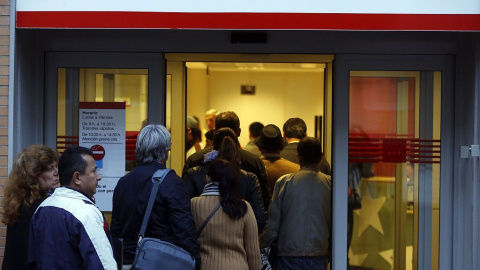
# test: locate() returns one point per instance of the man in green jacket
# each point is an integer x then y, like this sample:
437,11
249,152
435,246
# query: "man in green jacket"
300,213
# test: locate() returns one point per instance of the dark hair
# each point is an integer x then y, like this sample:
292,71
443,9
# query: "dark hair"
228,179
310,149
226,142
228,119
197,134
209,135
295,128
72,161
198,121
255,129
220,133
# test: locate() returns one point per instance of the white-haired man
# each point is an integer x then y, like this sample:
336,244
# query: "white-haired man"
171,219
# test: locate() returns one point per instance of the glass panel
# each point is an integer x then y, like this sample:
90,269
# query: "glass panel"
394,133
101,85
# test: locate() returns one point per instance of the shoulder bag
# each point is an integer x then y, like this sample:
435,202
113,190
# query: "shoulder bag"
208,219
154,253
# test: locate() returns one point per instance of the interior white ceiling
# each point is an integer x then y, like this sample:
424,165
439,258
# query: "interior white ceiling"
271,67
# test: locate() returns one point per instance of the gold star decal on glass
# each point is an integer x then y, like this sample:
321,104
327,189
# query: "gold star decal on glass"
387,255
368,214
356,259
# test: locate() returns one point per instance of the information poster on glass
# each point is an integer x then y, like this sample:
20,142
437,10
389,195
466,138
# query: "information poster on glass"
102,129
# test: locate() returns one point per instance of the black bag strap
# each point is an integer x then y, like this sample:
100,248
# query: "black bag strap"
208,219
157,179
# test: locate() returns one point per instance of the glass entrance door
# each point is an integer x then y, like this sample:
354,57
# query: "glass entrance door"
101,101
101,77
392,139
395,132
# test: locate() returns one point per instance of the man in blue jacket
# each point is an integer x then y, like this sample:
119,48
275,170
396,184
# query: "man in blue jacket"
68,231
171,219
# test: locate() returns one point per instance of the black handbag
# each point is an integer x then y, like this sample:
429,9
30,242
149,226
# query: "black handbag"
153,253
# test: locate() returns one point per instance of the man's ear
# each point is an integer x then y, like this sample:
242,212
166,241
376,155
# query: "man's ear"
300,160
239,132
76,178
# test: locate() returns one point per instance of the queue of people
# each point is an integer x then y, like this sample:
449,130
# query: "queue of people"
62,228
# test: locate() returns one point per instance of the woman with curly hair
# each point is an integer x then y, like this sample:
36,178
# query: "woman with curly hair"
33,176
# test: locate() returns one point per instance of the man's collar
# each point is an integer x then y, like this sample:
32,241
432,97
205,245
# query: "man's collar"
308,168
81,192
271,155
155,163
291,140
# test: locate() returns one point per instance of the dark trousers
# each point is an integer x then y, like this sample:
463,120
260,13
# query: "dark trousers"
303,263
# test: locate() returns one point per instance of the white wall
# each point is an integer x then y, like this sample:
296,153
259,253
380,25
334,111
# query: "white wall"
279,96
197,94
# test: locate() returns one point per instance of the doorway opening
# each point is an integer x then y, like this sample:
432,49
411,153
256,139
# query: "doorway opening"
269,93
268,89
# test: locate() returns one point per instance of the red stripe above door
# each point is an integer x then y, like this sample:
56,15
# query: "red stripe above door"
274,21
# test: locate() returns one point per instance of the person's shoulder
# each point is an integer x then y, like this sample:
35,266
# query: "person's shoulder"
248,175
249,214
287,162
198,199
250,144
197,158
68,202
172,176
195,200
290,153
125,179
139,172
317,175
245,173
324,177
195,169
249,206
282,180
135,172
248,157
290,147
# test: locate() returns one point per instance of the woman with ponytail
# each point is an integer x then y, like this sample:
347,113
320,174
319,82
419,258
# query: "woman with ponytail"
225,146
230,239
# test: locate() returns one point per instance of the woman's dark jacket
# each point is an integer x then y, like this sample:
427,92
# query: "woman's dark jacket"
171,219
250,190
16,246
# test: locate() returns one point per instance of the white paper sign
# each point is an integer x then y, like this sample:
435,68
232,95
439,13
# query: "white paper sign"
102,129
